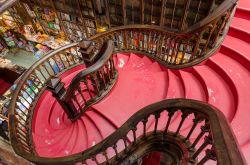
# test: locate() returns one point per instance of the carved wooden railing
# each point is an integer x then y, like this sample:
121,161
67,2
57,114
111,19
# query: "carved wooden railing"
201,134
31,85
5,4
174,50
88,86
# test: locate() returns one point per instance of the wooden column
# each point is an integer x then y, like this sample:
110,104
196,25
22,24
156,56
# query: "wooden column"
107,11
142,11
162,12
124,12
184,17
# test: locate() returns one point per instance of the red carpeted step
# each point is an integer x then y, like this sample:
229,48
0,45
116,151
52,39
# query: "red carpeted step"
81,142
133,60
234,43
244,4
93,132
240,28
131,94
141,66
218,90
193,88
175,88
122,60
241,78
104,126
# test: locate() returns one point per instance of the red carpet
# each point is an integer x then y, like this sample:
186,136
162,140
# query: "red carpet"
222,81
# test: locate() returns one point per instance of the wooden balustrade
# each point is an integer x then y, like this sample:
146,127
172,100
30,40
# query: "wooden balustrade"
200,133
31,86
171,49
92,84
207,134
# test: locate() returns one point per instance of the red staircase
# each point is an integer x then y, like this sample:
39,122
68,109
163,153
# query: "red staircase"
221,81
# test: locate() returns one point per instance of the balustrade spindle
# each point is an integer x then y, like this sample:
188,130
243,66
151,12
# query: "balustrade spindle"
207,141
211,31
105,155
88,89
44,66
95,160
125,144
196,46
134,134
210,155
170,115
204,129
173,14
197,11
169,45
116,152
80,92
195,123
144,122
183,117
157,116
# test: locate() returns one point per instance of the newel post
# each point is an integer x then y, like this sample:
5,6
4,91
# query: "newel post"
88,51
57,88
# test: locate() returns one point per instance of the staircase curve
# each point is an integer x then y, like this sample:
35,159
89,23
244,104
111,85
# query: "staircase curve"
220,81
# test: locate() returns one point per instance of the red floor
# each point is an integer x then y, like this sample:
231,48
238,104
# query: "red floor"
222,81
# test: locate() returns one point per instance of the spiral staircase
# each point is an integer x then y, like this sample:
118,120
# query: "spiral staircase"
123,96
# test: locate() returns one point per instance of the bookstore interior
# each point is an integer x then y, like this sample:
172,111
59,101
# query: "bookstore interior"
37,27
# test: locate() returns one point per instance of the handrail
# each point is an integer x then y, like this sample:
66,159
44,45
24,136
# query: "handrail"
174,49
30,87
107,54
225,6
93,83
214,133
7,4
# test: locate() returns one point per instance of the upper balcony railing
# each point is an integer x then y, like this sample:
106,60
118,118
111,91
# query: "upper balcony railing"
172,49
202,134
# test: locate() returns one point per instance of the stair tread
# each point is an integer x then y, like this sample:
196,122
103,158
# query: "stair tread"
241,23
219,94
144,91
106,128
175,88
241,78
193,88
93,133
122,60
237,45
244,4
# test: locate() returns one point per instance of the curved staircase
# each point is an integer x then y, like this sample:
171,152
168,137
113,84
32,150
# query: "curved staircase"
221,81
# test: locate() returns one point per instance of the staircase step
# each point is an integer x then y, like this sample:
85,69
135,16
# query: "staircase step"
193,88
82,140
131,94
133,60
175,87
244,4
122,60
240,28
93,133
218,91
241,78
104,126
